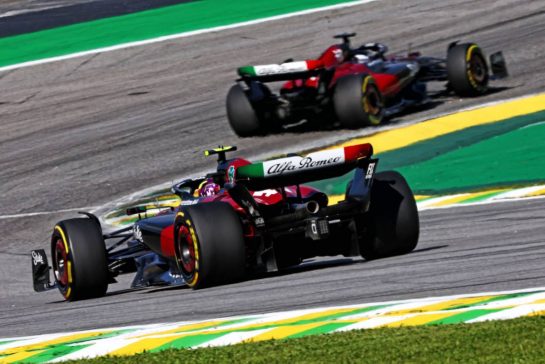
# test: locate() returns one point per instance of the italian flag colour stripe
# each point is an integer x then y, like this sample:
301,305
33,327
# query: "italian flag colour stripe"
277,69
322,159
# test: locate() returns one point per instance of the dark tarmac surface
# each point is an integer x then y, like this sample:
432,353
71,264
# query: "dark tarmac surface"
39,18
86,131
13,7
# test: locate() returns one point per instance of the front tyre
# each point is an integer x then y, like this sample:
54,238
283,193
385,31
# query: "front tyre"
393,225
467,70
209,244
241,115
80,263
358,101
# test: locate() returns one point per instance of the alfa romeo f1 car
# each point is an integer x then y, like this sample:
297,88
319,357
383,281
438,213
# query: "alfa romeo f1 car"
354,87
242,219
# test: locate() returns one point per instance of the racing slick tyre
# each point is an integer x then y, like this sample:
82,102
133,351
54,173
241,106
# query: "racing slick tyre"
241,115
80,263
467,70
209,244
393,218
358,101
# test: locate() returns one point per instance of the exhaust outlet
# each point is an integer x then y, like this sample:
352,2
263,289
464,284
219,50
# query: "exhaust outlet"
312,207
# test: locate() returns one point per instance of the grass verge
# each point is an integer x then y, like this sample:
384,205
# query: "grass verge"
512,341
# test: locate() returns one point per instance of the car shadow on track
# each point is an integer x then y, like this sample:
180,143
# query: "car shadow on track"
108,294
313,265
316,126
309,265
416,251
147,290
436,99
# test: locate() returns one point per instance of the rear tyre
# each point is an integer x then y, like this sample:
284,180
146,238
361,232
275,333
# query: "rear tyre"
241,115
393,225
80,263
209,244
358,102
467,70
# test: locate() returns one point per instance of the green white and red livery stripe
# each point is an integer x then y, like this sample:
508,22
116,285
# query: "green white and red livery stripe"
317,160
279,69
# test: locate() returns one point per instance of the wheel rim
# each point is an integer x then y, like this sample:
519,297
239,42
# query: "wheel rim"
61,263
477,69
186,247
371,102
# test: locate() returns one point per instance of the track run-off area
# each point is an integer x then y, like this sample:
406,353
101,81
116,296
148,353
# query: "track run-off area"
87,131
280,325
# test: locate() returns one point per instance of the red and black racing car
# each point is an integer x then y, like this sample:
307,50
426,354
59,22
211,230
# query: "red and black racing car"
355,87
241,219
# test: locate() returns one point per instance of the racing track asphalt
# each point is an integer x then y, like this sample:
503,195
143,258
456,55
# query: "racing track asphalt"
14,7
85,131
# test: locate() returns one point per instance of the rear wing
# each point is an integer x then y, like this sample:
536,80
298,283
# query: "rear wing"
294,170
281,72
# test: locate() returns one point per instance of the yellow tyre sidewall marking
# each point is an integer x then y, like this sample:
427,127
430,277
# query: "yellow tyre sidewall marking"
195,278
364,94
63,236
68,261
372,118
470,77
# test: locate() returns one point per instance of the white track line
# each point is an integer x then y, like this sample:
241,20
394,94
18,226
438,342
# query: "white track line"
512,313
29,214
233,338
97,348
141,331
484,202
183,35
26,11
518,193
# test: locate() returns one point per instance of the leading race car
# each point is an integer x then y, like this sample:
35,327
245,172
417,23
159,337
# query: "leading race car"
241,219
355,87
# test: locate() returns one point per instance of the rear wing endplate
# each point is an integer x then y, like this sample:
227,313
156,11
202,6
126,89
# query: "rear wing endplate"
40,271
498,66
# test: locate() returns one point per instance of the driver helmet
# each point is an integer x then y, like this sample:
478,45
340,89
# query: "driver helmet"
209,188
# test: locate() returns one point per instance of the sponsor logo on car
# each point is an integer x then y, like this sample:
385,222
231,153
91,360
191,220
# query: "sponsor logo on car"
370,170
231,174
37,258
273,69
137,233
189,202
266,193
338,53
312,161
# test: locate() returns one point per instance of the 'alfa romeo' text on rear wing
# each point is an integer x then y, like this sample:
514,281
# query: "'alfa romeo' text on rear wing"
293,170
280,72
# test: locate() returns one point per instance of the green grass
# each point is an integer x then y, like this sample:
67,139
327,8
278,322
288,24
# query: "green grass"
504,154
513,341
164,21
